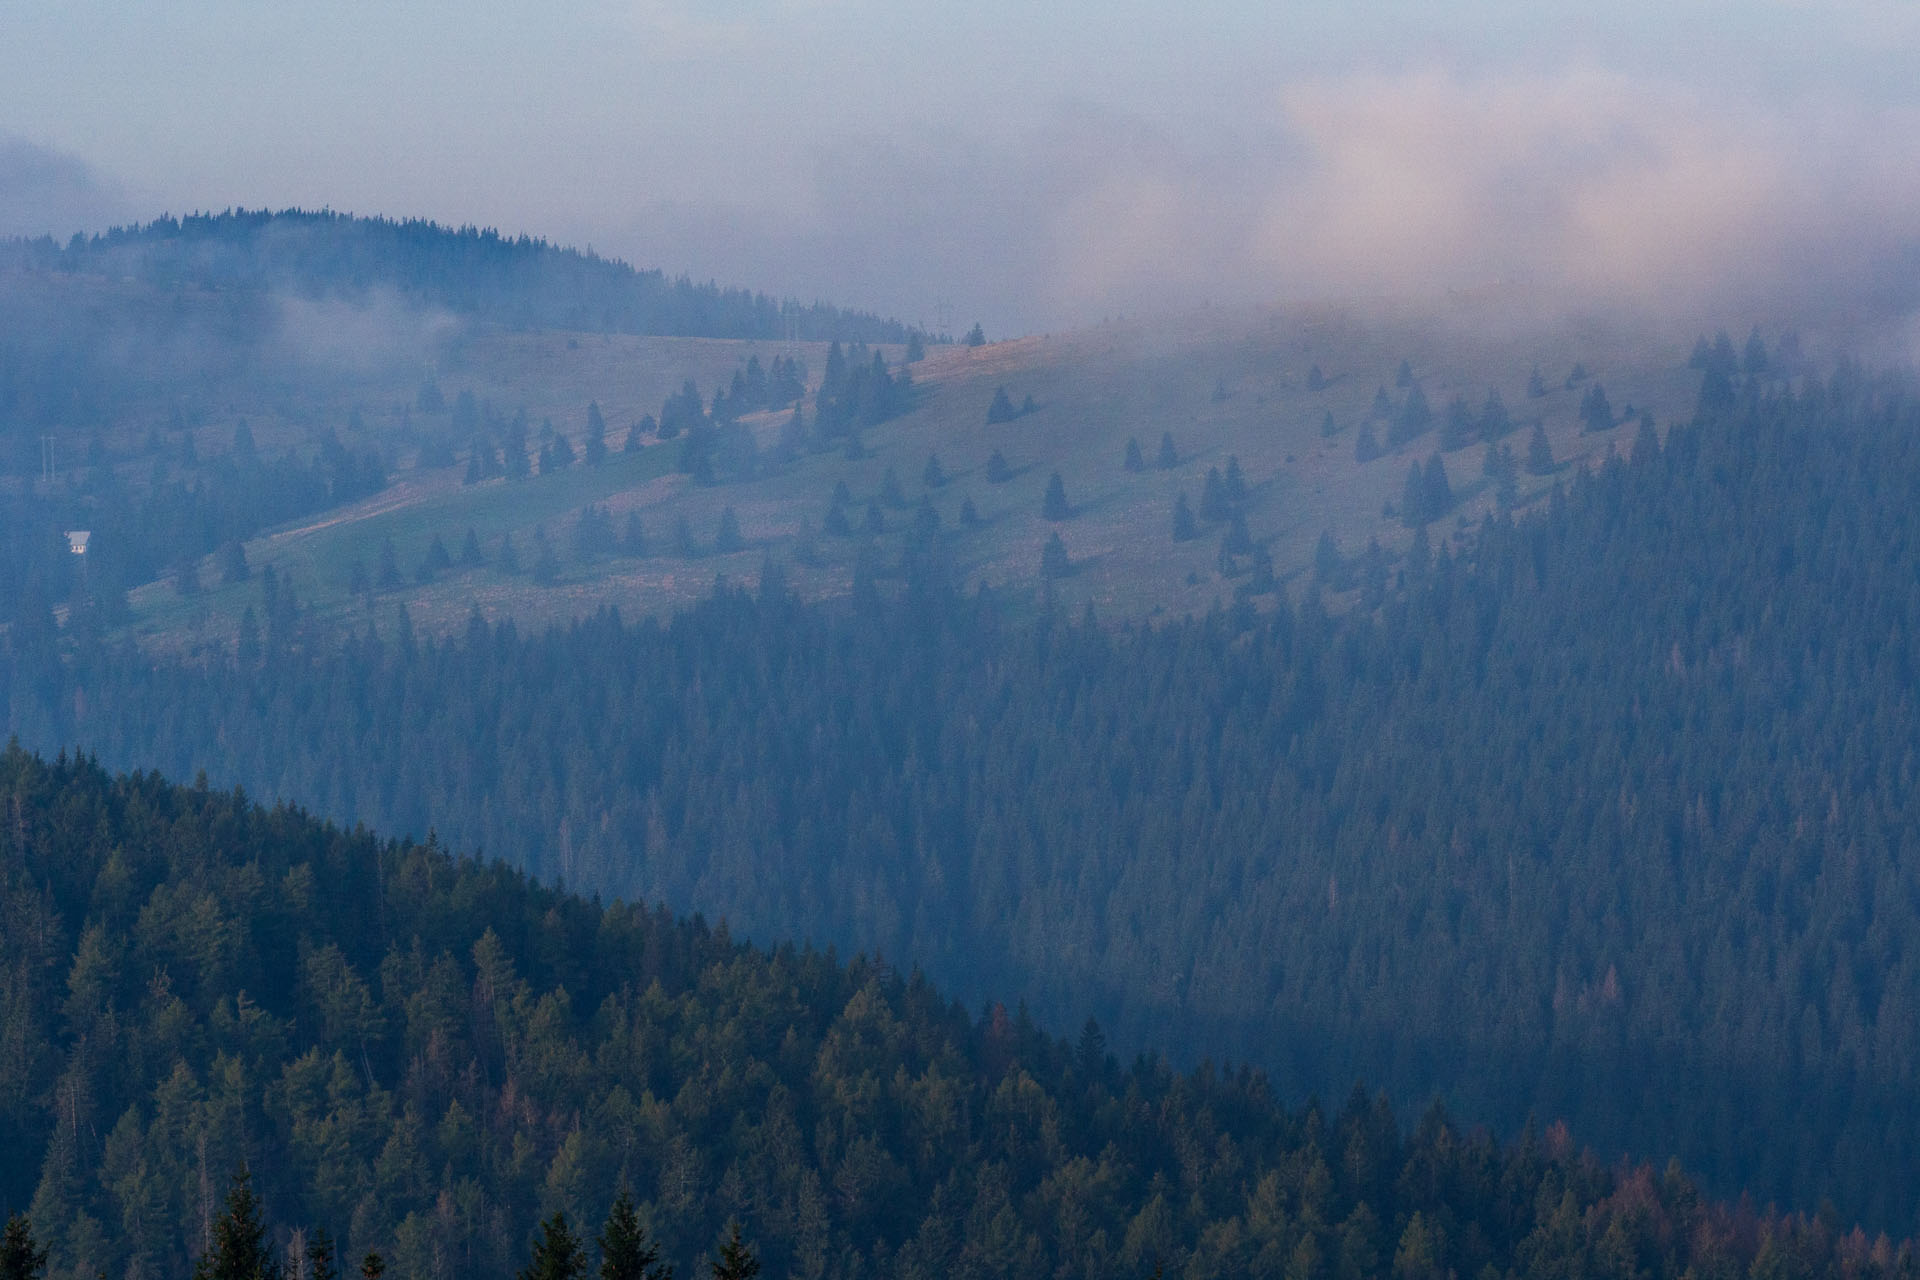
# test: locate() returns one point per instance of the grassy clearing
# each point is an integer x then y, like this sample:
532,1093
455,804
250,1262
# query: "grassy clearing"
1221,385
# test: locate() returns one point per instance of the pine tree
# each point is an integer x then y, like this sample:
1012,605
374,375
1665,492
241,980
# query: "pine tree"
240,1250
20,1259
373,1266
934,476
1135,462
625,1251
969,516
1536,385
876,521
1167,459
1328,427
976,336
890,492
1316,380
998,472
1403,376
916,348
470,553
557,1254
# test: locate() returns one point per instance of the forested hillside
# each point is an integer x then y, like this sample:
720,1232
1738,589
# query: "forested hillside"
520,281
1611,817
425,1056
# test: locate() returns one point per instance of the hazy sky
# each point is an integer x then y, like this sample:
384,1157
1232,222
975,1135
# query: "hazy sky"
1035,165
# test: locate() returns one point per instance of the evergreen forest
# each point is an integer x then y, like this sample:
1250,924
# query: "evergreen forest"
1605,814
239,1042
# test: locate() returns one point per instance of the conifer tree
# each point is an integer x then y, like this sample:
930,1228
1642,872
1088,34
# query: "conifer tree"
20,1258
736,1260
596,435
1054,561
1054,505
976,336
1167,459
233,563
1539,451
1366,447
1184,527
1001,410
998,472
935,476
727,537
625,1251
1135,462
240,1250
320,1259
557,1254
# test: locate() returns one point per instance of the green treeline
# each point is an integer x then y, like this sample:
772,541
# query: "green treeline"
1611,816
430,1058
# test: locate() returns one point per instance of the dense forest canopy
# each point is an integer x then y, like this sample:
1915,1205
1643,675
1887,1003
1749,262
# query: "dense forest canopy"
425,1057
1610,816
522,282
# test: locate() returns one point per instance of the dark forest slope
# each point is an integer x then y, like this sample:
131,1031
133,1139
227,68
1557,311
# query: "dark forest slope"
522,282
422,1055
1612,817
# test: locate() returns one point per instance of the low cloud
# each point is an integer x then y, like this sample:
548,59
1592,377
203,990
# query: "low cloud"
48,192
1581,191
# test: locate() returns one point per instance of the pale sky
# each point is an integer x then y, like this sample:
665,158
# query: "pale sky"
1035,165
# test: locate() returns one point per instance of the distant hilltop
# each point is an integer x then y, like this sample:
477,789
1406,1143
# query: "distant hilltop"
517,282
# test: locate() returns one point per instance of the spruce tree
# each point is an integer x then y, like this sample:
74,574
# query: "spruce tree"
1001,410
1168,459
1539,451
240,1250
320,1260
727,537
1135,462
736,1260
1184,527
625,1251
998,472
1054,561
556,1253
596,435
20,1259
233,563
1054,505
